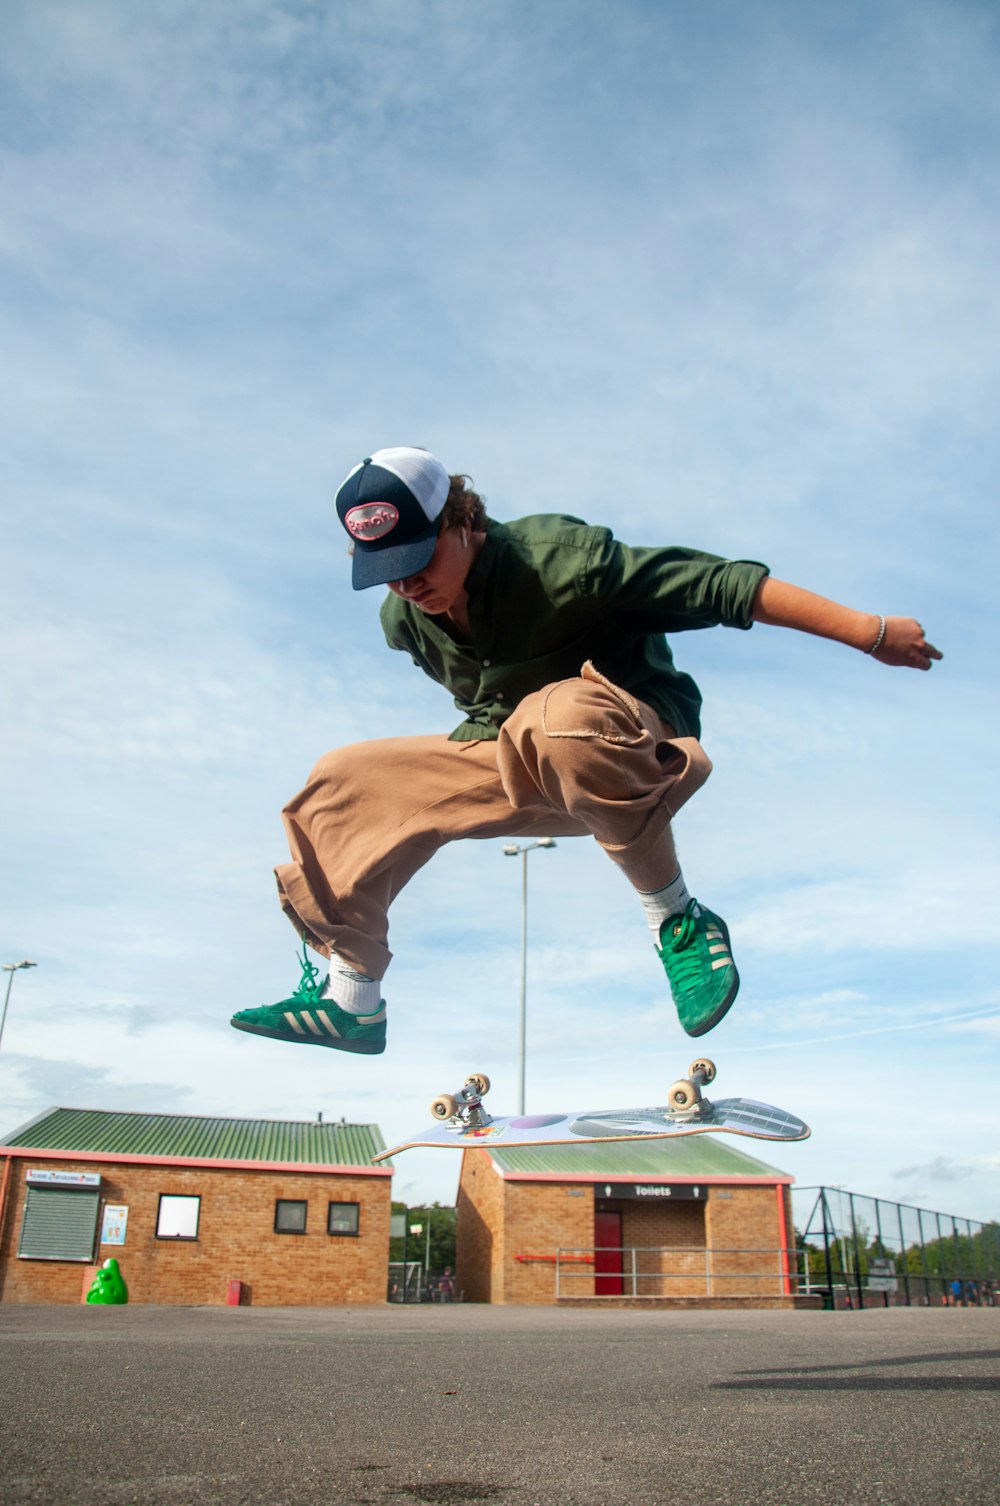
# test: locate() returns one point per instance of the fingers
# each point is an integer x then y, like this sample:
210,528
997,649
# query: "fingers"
926,651
905,645
924,654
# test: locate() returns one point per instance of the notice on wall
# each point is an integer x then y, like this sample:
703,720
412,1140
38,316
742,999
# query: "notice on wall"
114,1225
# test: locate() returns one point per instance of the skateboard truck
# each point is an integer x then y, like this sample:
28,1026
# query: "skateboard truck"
684,1097
465,1107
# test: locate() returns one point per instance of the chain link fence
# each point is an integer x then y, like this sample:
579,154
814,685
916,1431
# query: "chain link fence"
856,1252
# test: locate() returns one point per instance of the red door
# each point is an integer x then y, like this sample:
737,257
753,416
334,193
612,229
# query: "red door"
608,1255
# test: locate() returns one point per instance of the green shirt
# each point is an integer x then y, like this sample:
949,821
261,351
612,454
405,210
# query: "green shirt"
549,592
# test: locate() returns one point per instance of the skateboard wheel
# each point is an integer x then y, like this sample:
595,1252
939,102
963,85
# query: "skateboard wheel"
479,1081
705,1067
444,1107
682,1094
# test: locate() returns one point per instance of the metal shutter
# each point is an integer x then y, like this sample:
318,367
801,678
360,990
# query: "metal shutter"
59,1223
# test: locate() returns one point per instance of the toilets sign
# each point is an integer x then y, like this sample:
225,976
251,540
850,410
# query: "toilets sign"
674,1192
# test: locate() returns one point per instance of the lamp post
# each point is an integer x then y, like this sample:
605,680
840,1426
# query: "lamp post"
11,968
513,850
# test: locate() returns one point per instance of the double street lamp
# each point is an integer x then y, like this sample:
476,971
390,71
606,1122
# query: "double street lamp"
513,850
11,968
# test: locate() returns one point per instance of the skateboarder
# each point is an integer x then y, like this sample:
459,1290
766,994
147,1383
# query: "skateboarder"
549,634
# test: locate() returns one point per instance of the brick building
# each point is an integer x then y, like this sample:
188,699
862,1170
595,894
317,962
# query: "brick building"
691,1220
187,1204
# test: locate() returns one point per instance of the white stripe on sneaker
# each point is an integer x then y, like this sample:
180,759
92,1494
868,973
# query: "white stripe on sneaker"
293,1022
718,947
307,1018
327,1024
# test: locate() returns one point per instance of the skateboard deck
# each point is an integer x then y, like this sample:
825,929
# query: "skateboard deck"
464,1123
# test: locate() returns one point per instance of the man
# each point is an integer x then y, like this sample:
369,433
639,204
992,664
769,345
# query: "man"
549,634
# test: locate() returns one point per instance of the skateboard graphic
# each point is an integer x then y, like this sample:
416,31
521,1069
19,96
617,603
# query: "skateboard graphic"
463,1122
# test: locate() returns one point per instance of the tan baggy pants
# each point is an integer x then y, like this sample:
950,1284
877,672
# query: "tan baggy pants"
580,757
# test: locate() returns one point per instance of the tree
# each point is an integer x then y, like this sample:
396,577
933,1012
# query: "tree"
440,1219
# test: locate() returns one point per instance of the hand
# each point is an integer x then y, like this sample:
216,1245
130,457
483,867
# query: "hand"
904,644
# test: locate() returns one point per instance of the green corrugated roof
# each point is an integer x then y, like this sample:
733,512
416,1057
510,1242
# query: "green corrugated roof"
659,1160
103,1132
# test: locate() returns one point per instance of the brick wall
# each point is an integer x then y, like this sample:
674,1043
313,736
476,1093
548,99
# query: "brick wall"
679,1225
669,1239
500,1220
236,1238
480,1217
541,1218
748,1226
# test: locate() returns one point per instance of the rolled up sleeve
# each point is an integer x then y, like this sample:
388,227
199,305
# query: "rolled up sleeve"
673,590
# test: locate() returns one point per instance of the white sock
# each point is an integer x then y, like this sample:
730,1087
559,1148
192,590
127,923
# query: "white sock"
355,992
662,903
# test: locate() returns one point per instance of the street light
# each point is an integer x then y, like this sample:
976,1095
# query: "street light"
12,968
512,850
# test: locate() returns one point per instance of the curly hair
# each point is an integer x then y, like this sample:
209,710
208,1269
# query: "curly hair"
463,508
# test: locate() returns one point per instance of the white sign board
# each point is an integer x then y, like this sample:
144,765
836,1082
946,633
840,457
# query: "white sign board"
882,1276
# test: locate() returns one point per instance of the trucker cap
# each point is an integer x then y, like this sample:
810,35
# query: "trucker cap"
390,505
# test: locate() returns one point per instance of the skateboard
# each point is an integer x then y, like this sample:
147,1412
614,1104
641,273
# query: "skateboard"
462,1121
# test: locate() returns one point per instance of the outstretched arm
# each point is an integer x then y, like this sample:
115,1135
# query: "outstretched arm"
900,640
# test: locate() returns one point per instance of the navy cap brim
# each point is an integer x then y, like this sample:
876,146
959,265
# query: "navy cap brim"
377,567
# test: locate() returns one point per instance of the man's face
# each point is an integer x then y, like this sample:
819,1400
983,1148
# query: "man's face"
441,583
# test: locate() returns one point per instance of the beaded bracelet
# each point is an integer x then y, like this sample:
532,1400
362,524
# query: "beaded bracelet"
881,634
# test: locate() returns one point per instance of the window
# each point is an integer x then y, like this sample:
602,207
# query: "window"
178,1217
342,1218
59,1223
290,1216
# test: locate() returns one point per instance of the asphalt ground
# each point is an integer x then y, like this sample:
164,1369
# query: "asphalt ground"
156,1406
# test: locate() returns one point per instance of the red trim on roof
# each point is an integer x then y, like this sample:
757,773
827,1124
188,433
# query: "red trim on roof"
593,1178
311,1168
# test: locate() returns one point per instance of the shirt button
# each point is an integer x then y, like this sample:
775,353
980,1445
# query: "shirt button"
499,696
487,663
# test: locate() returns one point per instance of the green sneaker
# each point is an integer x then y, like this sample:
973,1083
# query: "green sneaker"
695,951
311,1018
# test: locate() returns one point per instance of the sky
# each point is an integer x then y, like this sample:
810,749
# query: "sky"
721,275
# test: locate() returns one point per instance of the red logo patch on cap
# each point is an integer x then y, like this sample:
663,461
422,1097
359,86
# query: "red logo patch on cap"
371,520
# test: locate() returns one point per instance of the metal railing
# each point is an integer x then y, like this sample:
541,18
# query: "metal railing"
658,1272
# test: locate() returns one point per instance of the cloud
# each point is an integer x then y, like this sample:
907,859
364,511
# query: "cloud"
941,1169
65,1083
730,286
